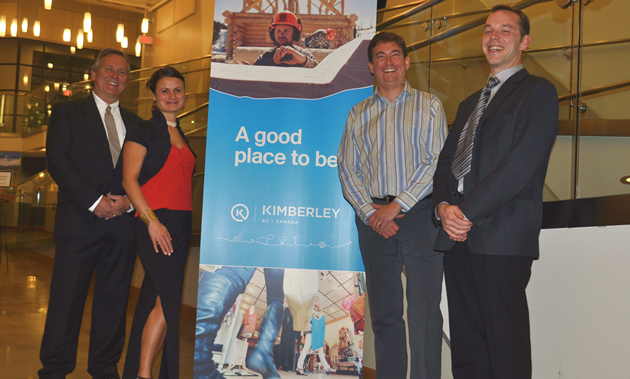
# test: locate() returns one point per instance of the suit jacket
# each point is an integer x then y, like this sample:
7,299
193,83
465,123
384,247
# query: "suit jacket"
80,162
503,190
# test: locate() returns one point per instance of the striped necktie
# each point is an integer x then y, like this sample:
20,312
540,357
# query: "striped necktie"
112,135
463,154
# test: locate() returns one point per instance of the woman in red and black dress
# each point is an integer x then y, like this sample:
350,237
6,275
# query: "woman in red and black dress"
157,175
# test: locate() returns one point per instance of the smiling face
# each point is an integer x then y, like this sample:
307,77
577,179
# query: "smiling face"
283,35
502,42
169,95
389,66
111,78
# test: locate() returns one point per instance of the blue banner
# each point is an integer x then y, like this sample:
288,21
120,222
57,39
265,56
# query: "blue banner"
278,241
271,175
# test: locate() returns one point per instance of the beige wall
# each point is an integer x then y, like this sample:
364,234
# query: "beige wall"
180,35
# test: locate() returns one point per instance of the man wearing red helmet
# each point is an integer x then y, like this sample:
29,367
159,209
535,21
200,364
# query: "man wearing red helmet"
285,29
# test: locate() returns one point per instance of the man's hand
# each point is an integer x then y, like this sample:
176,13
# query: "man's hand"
454,222
105,208
382,221
121,204
288,55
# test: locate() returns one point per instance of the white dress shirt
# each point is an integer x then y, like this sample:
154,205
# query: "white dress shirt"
120,127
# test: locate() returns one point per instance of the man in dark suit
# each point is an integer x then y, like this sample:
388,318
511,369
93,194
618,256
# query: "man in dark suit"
93,229
488,201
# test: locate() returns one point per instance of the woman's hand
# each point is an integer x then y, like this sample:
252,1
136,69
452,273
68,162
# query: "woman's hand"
160,237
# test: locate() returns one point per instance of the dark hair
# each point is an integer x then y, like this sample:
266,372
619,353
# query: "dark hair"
386,37
523,23
107,51
163,73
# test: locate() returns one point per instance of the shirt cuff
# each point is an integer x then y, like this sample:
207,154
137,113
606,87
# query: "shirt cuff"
405,200
368,215
93,207
131,209
366,211
435,212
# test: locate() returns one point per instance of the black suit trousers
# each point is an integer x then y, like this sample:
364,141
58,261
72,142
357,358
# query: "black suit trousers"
488,314
111,262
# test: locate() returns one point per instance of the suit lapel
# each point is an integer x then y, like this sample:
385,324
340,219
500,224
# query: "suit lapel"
510,85
94,122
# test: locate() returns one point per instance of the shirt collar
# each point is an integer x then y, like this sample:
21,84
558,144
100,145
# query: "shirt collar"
406,90
508,72
102,105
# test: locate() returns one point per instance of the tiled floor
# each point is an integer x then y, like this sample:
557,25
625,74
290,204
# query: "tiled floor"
24,290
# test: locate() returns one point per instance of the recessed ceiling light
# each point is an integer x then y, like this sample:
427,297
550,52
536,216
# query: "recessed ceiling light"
625,179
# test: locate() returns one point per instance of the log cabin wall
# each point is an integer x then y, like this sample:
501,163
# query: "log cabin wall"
252,29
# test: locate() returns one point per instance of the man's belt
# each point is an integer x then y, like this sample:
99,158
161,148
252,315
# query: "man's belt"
389,198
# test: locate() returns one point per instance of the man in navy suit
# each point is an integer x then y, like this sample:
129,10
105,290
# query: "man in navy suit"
93,228
488,201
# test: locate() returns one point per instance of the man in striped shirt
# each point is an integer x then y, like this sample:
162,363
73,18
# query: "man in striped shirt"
386,162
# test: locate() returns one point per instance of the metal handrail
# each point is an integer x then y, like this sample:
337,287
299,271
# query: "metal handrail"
466,26
194,110
595,90
397,7
538,50
446,18
35,177
171,64
419,8
187,95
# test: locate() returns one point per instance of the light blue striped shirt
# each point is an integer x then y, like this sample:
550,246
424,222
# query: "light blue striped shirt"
391,148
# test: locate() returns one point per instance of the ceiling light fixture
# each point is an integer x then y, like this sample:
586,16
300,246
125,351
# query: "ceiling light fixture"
67,35
120,33
3,26
138,47
14,28
73,49
625,179
87,21
36,28
80,39
24,25
89,36
145,25
48,4
124,43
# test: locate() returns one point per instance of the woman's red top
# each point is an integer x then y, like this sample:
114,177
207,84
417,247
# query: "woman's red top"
171,187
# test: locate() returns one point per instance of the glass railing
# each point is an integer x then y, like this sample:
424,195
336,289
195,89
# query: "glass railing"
446,60
138,98
28,113
577,48
30,211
